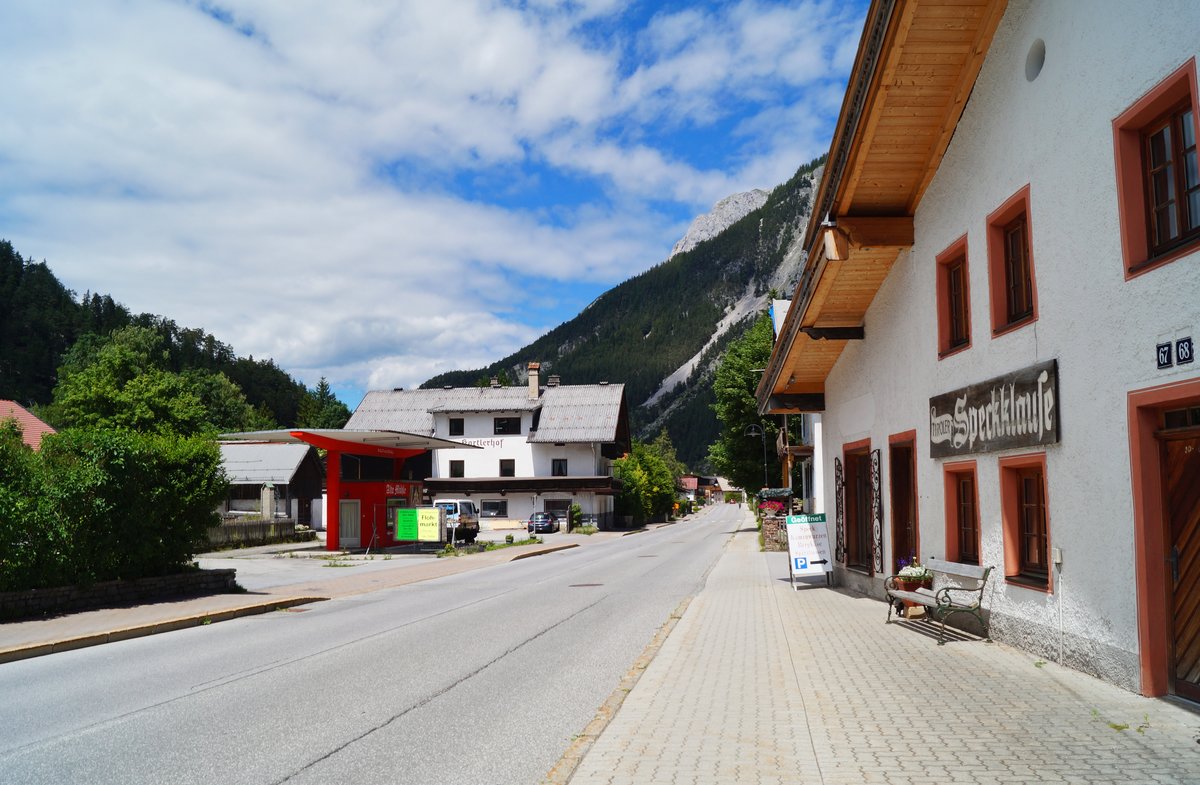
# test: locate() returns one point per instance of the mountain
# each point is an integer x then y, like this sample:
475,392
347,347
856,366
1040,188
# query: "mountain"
40,319
724,213
662,332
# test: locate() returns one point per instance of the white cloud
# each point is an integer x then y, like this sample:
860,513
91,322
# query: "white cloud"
317,182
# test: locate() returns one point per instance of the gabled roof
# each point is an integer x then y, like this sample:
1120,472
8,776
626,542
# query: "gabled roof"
581,413
573,413
916,66
256,463
32,429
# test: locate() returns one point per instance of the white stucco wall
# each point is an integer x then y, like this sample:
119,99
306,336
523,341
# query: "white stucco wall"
1055,134
530,460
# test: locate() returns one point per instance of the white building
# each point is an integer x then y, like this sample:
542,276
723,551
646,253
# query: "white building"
997,321
536,448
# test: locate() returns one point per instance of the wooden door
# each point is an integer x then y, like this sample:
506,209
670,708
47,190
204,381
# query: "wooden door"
349,524
1181,473
904,506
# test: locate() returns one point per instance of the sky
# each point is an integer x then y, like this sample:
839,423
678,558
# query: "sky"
377,192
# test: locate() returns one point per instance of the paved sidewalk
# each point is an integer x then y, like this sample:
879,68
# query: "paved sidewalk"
762,684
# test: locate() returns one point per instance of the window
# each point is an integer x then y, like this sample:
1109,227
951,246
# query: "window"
1010,265
1018,288
507,426
1026,520
508,467
456,469
1158,179
494,508
962,513
367,467
456,426
953,299
1172,180
859,542
558,467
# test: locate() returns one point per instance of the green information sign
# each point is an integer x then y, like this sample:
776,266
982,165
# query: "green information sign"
406,524
422,524
810,519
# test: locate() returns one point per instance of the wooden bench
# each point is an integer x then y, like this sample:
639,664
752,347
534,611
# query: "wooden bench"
947,600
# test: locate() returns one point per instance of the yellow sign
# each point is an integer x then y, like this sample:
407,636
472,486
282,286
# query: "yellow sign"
423,524
429,524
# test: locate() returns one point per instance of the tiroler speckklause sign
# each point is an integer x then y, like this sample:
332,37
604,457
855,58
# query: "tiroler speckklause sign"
1019,409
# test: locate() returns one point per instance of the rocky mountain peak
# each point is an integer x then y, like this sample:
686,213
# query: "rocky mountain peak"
723,215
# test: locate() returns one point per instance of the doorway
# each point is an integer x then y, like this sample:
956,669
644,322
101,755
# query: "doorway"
903,476
1164,429
349,524
1181,500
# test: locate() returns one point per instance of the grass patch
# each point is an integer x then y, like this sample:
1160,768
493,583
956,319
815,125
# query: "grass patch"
481,547
584,530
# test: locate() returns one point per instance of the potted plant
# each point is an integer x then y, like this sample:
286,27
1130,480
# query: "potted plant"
914,576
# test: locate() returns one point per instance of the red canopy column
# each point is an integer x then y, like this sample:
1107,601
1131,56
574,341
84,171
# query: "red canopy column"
333,492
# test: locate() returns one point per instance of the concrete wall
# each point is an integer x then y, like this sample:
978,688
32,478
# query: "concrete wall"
1055,134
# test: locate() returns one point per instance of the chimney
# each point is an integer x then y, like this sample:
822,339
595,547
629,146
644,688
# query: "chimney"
495,381
552,380
533,381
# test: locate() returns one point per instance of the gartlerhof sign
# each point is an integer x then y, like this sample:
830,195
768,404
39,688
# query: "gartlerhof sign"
1019,409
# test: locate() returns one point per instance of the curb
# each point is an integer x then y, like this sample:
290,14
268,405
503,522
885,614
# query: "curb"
182,622
551,549
565,768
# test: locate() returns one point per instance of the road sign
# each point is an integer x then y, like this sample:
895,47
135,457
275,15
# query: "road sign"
808,545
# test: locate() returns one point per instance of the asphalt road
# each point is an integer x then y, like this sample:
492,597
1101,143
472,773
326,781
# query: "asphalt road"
482,677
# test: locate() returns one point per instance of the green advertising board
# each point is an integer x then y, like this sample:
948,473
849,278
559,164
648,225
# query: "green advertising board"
418,524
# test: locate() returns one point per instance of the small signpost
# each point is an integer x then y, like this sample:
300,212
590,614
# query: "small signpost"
808,547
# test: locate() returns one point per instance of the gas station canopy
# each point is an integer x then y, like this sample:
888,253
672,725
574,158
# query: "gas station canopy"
383,443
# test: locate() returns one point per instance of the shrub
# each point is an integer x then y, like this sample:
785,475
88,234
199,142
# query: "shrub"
110,505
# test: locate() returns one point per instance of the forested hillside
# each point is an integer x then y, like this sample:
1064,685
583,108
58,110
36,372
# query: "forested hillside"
40,320
657,323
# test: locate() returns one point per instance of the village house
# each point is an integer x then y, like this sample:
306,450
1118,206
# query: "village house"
32,428
997,320
527,449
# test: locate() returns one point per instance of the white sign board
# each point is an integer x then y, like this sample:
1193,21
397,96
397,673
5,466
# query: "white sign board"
808,545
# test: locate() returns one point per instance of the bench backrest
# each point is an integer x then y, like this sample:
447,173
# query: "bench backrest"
962,570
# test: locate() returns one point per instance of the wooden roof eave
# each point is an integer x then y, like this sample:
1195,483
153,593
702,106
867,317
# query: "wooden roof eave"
831,241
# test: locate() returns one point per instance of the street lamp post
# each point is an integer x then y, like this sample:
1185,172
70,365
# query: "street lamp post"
757,430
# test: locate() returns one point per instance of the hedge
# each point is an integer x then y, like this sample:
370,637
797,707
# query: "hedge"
104,505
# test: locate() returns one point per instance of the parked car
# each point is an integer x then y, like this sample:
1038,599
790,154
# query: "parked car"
463,515
542,523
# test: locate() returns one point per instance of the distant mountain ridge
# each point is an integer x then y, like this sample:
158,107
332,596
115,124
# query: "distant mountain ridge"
724,213
662,332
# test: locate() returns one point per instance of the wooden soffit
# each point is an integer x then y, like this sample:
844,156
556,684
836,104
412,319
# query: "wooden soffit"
916,66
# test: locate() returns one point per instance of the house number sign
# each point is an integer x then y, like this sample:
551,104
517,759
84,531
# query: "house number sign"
1019,409
1185,352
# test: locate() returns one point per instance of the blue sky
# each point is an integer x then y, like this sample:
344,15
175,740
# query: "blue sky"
379,192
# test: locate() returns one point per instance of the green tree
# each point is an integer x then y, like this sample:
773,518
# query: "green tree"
648,488
122,381
665,449
736,455
321,408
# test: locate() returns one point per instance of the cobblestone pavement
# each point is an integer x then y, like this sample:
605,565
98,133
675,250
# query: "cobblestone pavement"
759,683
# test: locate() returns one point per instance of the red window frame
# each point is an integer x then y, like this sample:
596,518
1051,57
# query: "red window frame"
953,299
1173,96
1011,270
963,536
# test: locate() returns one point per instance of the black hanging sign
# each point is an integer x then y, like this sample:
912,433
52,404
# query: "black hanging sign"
1019,409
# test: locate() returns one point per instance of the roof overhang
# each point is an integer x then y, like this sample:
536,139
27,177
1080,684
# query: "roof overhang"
387,444
601,484
916,66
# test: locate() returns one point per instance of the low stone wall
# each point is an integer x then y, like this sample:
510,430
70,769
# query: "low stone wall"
69,599
774,533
